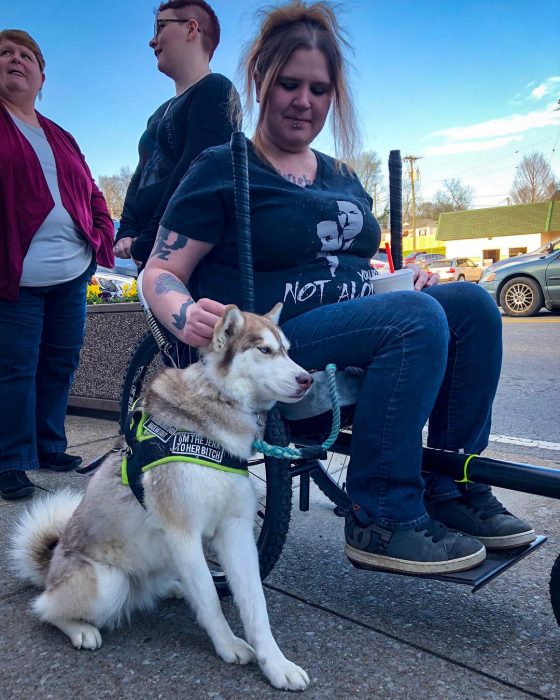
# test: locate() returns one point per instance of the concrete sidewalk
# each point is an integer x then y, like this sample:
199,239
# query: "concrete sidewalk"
358,634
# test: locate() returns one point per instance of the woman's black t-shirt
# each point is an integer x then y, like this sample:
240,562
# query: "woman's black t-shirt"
177,132
311,245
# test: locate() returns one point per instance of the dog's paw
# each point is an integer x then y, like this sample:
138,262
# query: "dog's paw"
236,651
84,636
285,675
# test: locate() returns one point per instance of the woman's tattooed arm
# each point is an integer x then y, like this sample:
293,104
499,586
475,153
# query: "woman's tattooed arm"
166,242
165,283
180,319
174,258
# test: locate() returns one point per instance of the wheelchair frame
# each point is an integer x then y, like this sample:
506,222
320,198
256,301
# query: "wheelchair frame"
275,517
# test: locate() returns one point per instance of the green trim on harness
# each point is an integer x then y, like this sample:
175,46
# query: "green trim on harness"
151,444
192,460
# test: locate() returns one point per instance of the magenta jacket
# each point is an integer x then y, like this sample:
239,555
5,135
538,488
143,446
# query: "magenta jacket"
25,199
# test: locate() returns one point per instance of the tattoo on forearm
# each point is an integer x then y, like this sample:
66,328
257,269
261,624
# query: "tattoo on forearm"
166,242
180,319
166,282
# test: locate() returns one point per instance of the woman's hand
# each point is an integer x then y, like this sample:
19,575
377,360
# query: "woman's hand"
200,318
422,278
122,247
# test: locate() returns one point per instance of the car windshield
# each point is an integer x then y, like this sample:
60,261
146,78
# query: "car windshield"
550,247
440,263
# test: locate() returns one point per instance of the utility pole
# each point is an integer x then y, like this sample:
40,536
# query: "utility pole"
411,160
375,200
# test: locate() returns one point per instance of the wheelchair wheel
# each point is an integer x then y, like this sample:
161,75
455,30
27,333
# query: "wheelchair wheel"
555,589
331,480
270,476
330,476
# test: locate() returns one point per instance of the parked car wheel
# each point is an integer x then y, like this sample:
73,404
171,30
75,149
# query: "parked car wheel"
521,296
461,278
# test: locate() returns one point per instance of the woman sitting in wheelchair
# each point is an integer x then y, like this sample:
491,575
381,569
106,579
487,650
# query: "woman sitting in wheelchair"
433,353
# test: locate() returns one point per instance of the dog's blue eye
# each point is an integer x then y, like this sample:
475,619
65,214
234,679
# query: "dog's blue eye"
264,350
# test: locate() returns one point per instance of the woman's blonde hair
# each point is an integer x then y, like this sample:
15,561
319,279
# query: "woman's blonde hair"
18,36
283,30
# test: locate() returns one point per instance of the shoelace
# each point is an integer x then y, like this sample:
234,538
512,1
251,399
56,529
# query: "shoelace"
437,531
487,505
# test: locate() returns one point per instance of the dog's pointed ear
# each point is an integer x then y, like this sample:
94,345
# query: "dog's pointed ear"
274,314
231,322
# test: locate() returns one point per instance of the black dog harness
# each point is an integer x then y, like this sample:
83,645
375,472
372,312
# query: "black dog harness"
150,443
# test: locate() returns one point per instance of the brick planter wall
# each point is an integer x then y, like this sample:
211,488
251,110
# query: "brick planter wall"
112,333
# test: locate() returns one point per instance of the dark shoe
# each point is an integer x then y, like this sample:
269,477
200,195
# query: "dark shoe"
426,549
481,515
15,484
59,461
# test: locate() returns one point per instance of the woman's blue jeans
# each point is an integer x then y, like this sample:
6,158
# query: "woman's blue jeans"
40,340
431,355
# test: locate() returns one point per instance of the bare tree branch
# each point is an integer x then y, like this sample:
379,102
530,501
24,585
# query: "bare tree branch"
367,166
534,180
114,188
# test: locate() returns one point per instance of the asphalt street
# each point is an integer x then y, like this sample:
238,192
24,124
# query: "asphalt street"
528,400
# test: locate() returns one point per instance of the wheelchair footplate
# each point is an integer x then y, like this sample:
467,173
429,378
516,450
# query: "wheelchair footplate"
497,561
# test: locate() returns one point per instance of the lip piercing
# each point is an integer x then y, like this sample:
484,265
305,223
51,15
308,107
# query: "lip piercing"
295,125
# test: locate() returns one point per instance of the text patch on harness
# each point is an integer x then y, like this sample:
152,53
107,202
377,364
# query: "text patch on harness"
194,445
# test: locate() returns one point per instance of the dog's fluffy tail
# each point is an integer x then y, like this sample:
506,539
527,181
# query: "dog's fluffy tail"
37,533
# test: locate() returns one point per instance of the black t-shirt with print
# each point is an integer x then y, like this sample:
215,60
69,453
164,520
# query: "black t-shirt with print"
178,131
311,245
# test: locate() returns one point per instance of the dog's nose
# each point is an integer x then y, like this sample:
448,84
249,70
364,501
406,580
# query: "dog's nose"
305,380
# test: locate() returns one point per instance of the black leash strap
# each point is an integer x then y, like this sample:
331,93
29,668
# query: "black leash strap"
94,464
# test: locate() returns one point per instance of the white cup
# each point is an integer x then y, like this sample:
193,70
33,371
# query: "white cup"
396,281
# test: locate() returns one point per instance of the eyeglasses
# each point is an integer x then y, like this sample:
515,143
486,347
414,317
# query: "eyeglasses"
159,24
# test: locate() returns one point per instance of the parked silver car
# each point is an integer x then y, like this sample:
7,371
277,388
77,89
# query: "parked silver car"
456,270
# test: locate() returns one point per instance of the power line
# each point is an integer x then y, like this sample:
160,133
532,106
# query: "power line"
495,160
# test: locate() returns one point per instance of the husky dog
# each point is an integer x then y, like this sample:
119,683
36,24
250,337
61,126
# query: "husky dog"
101,556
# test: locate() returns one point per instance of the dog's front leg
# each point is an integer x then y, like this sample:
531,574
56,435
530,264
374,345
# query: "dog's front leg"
200,591
237,551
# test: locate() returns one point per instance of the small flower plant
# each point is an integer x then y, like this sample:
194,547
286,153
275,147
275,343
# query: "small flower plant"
125,293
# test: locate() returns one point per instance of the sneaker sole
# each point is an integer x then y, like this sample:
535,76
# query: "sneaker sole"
366,560
508,541
20,493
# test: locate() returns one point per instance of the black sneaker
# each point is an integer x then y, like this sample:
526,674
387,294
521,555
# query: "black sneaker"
481,515
59,461
15,484
425,549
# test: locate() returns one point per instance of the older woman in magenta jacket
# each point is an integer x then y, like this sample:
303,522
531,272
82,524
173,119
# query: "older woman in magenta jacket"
54,228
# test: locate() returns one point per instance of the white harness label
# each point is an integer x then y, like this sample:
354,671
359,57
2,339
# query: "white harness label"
160,430
195,445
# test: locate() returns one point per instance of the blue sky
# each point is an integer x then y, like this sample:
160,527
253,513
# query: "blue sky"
468,85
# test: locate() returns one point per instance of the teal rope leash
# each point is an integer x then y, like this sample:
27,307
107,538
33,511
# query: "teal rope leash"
294,452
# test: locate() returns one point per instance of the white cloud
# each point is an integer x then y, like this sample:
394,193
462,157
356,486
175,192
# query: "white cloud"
453,147
515,124
494,133
545,88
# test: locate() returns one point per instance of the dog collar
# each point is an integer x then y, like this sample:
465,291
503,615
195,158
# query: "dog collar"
152,443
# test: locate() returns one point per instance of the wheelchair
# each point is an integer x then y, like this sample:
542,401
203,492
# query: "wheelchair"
274,476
